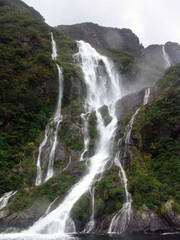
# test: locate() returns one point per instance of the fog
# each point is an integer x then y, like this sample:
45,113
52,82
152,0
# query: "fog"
153,21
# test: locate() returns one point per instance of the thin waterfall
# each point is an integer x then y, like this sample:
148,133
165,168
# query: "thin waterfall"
51,130
5,198
85,132
146,96
167,62
49,208
103,88
91,223
56,121
120,221
128,129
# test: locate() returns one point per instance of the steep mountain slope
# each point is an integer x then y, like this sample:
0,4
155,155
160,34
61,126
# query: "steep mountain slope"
103,37
28,86
29,90
154,171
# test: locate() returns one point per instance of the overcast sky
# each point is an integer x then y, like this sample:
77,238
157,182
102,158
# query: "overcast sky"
153,21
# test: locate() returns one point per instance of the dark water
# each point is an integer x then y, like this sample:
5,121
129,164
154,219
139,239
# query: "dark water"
133,237
175,236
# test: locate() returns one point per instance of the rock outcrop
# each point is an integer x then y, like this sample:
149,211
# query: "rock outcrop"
104,37
173,50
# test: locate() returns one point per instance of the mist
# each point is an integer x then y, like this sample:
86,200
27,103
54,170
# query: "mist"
153,21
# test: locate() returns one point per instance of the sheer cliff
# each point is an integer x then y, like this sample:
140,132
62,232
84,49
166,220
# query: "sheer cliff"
112,137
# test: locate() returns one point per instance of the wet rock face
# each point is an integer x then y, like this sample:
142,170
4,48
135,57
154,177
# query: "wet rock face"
105,114
146,221
153,55
173,50
19,221
172,218
126,104
149,221
60,153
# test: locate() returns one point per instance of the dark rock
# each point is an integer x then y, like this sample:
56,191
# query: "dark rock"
105,114
75,155
104,37
76,168
172,218
153,56
19,220
147,221
60,152
173,50
126,104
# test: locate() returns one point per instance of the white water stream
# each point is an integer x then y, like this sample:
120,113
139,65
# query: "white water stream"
120,221
166,58
103,88
51,130
129,126
91,223
4,199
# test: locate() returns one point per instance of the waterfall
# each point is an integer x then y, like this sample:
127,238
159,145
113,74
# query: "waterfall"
120,221
129,126
146,96
167,62
103,88
51,130
85,132
56,121
91,223
5,198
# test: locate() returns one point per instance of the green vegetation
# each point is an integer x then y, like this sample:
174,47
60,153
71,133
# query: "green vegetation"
73,86
45,193
71,136
81,209
154,173
29,89
125,61
28,82
109,192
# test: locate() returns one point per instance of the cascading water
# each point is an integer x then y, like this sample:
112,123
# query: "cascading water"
120,221
128,130
103,88
51,132
56,121
84,118
146,96
5,198
91,223
166,57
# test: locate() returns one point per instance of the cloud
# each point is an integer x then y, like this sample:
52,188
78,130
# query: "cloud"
153,21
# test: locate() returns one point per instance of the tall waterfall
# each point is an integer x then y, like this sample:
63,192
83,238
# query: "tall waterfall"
120,221
103,88
166,58
51,132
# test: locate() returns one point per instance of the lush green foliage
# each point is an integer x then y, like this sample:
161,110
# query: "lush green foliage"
109,192
125,61
81,209
27,85
43,194
154,173
29,88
